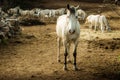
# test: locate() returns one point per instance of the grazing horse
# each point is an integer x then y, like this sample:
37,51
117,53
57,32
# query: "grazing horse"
103,22
13,11
81,14
93,20
98,21
68,30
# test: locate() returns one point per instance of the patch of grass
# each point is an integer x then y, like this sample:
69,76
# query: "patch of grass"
4,41
119,57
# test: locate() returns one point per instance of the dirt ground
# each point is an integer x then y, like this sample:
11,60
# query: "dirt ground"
33,55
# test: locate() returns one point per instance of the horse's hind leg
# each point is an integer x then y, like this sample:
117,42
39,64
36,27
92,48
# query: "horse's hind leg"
58,53
102,28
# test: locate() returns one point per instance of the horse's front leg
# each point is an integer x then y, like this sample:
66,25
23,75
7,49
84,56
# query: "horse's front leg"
75,54
90,27
65,55
95,27
68,51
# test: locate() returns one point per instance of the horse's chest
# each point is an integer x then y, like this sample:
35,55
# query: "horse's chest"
72,37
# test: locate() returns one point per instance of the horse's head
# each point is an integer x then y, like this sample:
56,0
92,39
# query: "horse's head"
71,10
72,18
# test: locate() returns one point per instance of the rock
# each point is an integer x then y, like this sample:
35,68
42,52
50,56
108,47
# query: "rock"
9,28
30,36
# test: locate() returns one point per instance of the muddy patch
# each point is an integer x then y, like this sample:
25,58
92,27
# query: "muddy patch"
106,44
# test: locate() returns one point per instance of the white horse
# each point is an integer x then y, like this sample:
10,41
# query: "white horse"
103,22
98,21
57,12
14,10
68,30
93,20
45,14
81,14
24,13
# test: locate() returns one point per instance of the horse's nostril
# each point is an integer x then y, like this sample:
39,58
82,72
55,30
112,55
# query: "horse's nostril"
71,32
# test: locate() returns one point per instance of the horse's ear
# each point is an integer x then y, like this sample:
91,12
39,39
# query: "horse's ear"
65,11
68,6
77,7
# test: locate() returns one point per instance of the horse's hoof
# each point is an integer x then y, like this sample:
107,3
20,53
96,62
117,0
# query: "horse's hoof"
75,68
58,61
69,61
65,68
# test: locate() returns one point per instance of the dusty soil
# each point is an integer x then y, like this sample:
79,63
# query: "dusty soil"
32,56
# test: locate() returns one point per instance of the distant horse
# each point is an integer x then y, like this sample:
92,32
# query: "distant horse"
68,30
13,11
98,21
81,14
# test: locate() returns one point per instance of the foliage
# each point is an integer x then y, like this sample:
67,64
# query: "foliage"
3,41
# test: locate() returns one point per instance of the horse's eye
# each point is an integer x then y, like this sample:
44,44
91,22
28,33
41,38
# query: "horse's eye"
76,17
